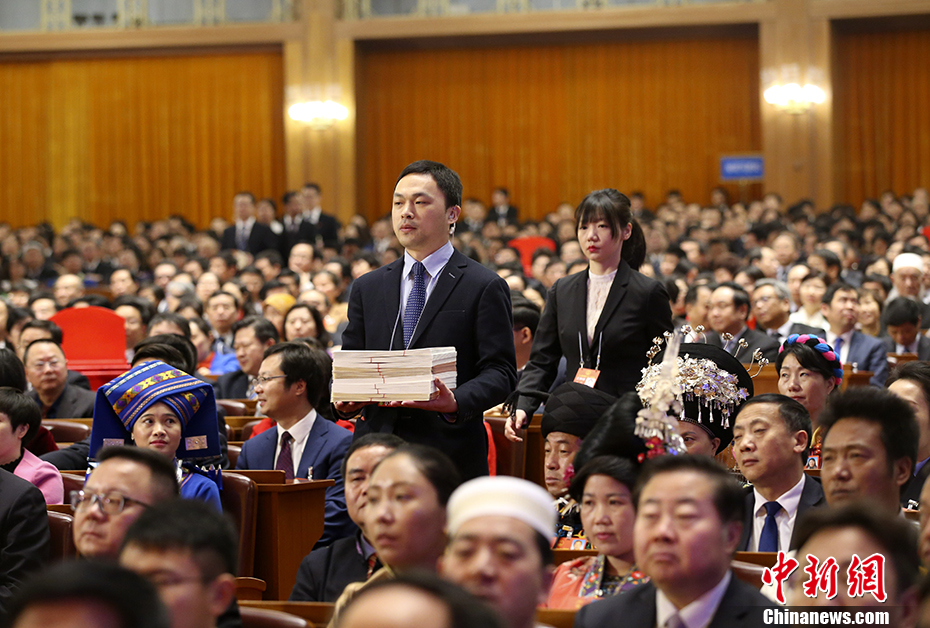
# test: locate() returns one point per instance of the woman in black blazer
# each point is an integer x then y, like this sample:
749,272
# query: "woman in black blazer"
604,318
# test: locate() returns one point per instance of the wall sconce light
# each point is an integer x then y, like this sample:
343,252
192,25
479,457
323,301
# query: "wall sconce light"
318,114
793,98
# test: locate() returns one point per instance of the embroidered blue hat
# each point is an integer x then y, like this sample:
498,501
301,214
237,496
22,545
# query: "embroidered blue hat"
121,401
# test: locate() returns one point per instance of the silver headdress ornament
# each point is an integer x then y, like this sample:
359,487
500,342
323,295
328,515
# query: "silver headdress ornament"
655,423
698,379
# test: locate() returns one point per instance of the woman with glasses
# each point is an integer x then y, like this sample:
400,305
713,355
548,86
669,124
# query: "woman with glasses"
156,406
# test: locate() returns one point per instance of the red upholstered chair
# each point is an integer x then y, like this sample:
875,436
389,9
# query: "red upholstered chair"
64,431
94,341
527,246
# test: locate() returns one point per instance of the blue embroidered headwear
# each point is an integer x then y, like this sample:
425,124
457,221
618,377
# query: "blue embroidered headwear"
121,401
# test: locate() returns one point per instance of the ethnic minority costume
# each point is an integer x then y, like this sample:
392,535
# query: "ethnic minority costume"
584,580
123,400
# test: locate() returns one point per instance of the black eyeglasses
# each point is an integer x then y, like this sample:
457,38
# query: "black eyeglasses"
110,503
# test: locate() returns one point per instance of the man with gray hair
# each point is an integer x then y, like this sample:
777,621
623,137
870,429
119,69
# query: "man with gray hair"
500,534
771,303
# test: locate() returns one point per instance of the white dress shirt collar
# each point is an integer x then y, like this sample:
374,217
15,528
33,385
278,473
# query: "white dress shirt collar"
697,614
789,502
299,432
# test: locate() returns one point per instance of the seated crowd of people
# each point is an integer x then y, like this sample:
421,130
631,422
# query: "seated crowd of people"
647,495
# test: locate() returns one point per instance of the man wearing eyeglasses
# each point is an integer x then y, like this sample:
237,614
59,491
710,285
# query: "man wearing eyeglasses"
292,381
126,482
47,371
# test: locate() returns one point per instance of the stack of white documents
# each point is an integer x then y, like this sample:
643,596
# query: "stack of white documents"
392,375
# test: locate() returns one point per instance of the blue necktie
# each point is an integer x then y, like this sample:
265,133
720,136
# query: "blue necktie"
415,302
768,540
838,347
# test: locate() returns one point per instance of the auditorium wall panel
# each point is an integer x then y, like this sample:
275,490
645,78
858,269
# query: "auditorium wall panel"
553,122
882,112
139,136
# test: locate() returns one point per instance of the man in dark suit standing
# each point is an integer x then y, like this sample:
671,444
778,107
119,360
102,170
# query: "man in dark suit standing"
689,517
318,228
771,436
771,303
729,309
290,384
247,234
434,296
902,321
502,212
47,371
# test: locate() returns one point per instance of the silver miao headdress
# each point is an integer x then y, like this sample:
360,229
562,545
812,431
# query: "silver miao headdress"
706,382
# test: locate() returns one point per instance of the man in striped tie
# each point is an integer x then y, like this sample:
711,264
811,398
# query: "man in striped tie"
291,383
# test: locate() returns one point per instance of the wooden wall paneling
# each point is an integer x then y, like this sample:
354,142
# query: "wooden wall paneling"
139,137
883,133
554,122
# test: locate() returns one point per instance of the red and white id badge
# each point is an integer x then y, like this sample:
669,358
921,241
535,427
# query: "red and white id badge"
587,377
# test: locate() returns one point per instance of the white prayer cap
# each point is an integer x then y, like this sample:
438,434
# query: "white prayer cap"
908,260
503,496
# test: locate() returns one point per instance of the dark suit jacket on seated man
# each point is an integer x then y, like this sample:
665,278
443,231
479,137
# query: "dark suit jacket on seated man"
841,309
689,514
24,533
466,306
47,371
771,436
290,383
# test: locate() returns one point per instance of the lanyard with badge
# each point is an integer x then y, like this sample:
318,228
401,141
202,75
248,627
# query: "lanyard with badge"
585,376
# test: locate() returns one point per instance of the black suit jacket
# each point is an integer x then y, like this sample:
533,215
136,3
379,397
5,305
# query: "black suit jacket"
636,311
325,572
233,385
469,309
637,608
261,238
510,218
24,534
913,488
923,347
811,497
74,403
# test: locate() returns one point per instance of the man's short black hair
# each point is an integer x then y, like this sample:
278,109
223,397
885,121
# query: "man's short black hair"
833,288
465,610
901,311
371,439
740,296
795,416
301,363
164,477
220,293
274,257
37,342
263,328
38,296
525,313
916,371
49,326
174,318
896,536
895,417
143,307
728,496
20,410
172,349
191,525
434,465
446,179
129,596
694,291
